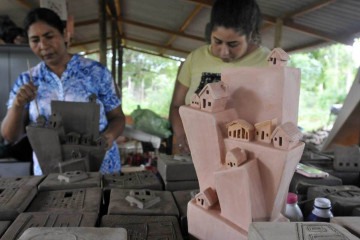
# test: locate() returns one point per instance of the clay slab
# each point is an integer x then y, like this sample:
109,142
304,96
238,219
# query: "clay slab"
296,231
172,168
69,233
10,167
51,182
70,200
300,183
31,219
180,185
79,117
132,180
182,199
18,182
145,227
16,194
352,224
3,226
119,206
95,155
46,145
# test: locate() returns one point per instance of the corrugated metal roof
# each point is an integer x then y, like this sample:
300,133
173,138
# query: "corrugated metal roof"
176,27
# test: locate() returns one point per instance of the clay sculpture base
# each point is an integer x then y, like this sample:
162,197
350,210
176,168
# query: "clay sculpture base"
245,145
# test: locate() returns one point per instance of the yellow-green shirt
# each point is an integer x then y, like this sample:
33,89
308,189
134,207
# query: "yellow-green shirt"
201,60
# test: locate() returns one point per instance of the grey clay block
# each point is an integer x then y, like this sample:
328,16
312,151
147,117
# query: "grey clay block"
46,219
145,227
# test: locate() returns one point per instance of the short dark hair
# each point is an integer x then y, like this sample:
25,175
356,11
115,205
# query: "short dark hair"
244,16
44,15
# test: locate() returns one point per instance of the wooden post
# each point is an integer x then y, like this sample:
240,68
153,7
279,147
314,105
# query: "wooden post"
102,31
114,37
120,67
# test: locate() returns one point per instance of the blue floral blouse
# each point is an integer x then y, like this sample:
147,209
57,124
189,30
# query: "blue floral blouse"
81,78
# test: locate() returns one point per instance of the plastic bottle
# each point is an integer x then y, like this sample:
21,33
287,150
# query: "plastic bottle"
321,211
292,209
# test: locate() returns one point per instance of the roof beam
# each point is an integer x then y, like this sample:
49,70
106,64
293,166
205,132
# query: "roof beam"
159,29
25,4
118,14
133,49
143,25
134,40
313,32
307,46
157,45
289,22
310,8
205,3
185,24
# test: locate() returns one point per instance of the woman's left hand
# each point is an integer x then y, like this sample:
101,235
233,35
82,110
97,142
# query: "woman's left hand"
106,141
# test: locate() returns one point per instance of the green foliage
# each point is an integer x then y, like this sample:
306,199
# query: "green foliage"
148,81
326,75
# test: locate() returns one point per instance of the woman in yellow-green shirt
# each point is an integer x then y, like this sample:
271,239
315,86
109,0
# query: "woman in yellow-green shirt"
234,38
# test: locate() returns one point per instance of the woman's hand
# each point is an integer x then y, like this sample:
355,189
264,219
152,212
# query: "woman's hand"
182,146
26,94
107,140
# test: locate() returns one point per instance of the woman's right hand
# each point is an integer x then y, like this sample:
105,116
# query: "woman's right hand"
26,94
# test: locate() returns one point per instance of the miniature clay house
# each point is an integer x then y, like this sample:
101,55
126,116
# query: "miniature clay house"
263,131
73,138
213,97
286,136
241,130
142,198
278,57
207,198
235,157
195,101
55,120
86,139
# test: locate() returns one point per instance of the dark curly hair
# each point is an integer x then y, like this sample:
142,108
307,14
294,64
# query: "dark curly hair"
243,16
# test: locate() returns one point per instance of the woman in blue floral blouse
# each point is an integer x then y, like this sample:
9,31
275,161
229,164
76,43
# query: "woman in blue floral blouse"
65,77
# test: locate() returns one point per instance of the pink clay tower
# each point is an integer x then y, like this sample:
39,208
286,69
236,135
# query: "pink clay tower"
244,141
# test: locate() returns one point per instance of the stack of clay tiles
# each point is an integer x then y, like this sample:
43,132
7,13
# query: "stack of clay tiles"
73,202
69,147
85,205
179,176
138,202
178,172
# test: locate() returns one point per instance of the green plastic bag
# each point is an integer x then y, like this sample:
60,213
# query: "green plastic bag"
149,122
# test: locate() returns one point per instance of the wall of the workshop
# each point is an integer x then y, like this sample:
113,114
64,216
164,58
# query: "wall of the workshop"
13,61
